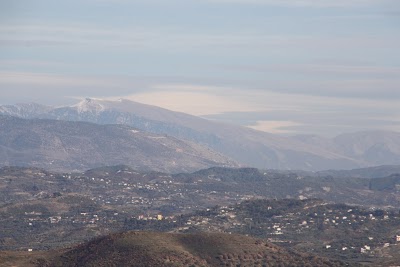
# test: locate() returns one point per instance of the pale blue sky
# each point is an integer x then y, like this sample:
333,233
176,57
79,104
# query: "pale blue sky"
290,66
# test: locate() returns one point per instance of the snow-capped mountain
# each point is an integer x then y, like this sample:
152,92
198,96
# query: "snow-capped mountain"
247,146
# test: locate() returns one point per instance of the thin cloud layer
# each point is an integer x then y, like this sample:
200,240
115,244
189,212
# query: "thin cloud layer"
306,3
281,65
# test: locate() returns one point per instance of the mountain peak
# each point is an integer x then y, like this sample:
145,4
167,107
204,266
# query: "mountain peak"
90,105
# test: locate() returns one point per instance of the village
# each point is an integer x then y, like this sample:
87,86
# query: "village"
329,229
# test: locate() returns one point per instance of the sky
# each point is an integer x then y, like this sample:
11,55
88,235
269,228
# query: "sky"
283,66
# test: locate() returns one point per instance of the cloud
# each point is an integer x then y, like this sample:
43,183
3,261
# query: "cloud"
86,35
322,68
48,88
273,111
195,103
175,38
285,3
341,81
187,97
49,80
277,127
31,43
83,35
21,63
307,3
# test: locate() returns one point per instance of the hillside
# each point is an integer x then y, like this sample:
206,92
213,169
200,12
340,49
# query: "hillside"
77,146
245,145
149,249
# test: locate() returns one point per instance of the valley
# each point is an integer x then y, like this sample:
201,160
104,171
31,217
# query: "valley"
56,210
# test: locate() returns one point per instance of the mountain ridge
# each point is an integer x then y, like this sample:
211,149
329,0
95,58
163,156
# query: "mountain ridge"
66,146
247,146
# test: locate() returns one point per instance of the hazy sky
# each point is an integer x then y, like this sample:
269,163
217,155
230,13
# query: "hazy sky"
288,66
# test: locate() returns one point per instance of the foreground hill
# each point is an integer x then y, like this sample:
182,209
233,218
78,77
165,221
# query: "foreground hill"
68,146
149,249
245,145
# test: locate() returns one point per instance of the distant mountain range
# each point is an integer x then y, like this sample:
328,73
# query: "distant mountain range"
244,145
77,146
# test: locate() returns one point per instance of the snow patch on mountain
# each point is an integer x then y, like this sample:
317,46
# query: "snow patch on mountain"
89,105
